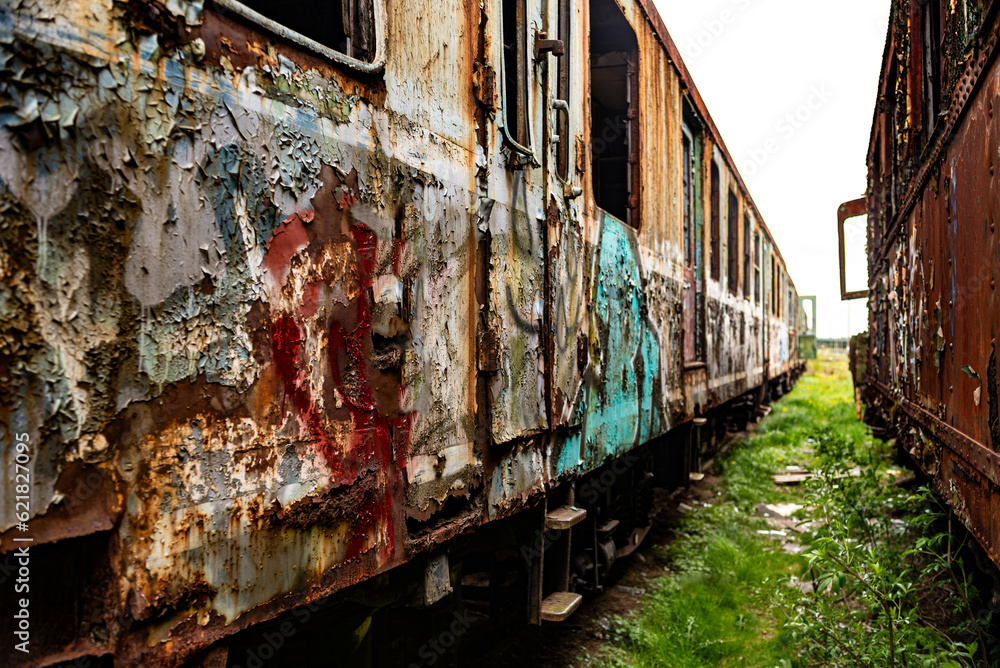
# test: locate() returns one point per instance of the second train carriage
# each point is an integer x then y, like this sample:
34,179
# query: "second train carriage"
340,303
928,364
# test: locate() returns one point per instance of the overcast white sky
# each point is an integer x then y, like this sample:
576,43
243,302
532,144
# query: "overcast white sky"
757,61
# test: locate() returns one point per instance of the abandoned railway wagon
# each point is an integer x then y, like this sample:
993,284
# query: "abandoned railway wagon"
933,209
318,317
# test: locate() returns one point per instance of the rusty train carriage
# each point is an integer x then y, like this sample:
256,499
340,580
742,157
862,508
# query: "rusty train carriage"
290,300
933,209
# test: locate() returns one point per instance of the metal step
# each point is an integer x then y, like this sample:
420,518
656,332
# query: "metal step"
559,605
564,517
608,526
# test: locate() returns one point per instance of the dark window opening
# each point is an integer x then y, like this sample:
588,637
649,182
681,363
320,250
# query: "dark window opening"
733,246
687,170
614,112
756,267
876,229
779,293
746,256
347,26
931,66
716,205
514,72
892,131
693,202
773,294
563,87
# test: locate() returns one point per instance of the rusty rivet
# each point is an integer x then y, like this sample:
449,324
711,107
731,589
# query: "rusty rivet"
951,388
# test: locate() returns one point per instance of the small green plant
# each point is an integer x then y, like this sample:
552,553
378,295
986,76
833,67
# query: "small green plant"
876,550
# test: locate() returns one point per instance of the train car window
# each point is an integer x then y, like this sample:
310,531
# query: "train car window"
746,256
756,267
772,295
892,119
613,106
931,65
876,165
733,246
687,185
515,72
972,16
563,129
346,26
780,293
716,205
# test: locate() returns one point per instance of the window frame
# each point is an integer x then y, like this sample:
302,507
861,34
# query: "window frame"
931,52
733,242
746,254
715,233
564,88
629,48
757,266
687,199
522,145
377,63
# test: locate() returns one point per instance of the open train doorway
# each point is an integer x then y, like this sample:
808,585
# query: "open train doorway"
614,97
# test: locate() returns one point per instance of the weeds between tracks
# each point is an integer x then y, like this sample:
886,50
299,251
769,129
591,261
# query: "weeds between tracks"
863,574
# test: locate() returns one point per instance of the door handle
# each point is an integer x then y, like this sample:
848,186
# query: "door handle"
557,106
545,46
569,190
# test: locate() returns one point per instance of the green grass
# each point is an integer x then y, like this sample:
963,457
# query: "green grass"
819,409
716,610
718,605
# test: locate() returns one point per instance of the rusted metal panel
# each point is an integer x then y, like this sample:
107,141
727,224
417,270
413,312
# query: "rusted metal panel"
932,256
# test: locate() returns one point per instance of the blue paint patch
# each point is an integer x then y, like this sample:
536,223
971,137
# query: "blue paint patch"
620,400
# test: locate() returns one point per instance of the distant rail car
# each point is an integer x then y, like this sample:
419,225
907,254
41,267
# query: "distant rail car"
314,315
928,364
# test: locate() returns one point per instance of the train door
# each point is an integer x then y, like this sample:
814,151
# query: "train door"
565,304
522,209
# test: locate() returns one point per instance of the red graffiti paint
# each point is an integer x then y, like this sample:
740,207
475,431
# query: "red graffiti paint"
286,346
378,444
